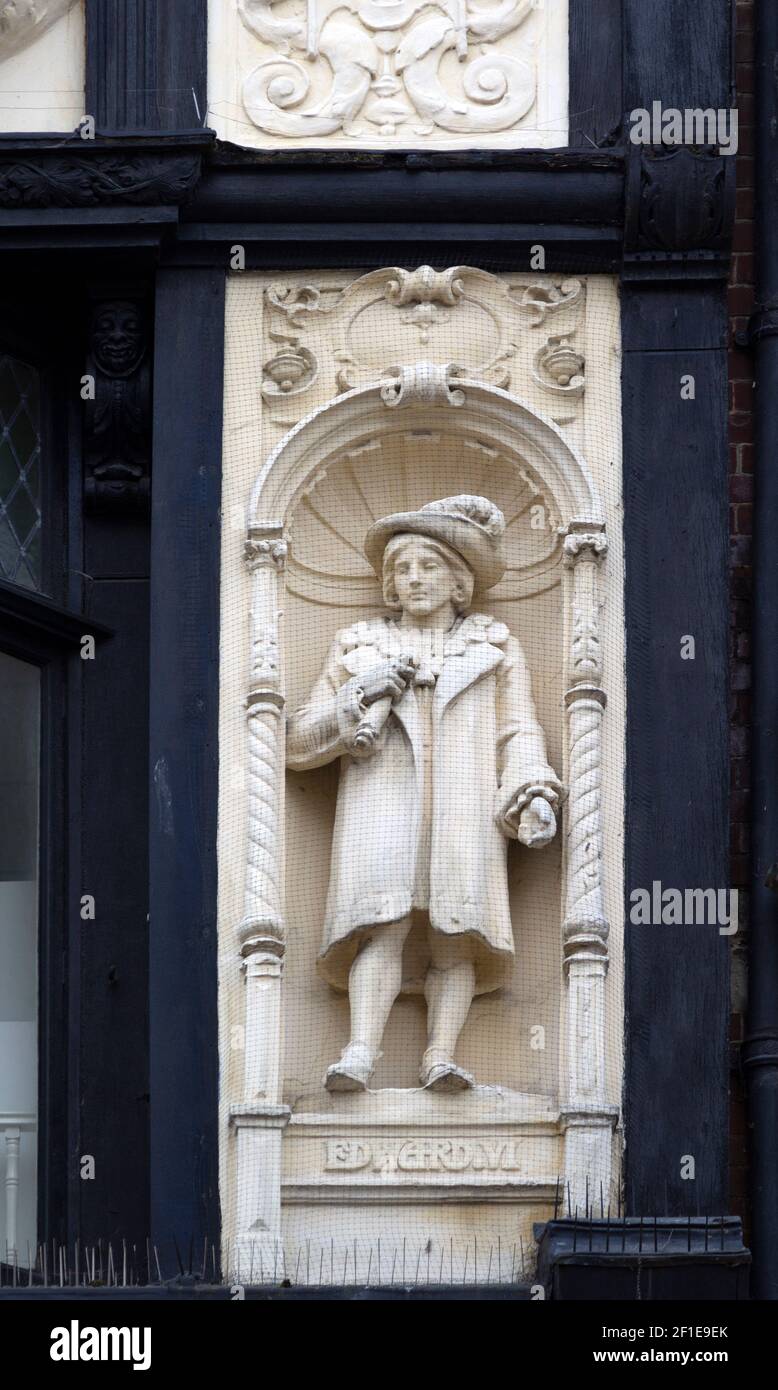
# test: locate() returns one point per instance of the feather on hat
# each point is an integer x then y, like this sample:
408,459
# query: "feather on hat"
473,526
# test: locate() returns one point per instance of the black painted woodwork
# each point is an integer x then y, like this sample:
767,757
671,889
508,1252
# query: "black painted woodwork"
675,533
643,1259
677,53
146,64
760,1046
184,698
32,624
113,1090
595,103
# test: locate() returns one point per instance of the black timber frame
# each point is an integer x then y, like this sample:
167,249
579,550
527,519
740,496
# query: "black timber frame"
184,756
182,203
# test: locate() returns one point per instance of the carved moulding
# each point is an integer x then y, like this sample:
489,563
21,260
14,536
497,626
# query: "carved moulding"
354,424
90,180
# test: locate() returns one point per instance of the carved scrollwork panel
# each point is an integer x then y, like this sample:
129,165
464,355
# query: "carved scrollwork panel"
399,72
337,337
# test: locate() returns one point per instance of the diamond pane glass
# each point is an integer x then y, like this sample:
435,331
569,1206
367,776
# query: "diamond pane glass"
20,496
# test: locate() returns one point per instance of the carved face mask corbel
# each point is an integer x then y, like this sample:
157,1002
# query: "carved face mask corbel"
117,337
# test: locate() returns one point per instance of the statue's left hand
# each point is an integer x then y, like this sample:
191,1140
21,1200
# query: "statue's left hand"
537,823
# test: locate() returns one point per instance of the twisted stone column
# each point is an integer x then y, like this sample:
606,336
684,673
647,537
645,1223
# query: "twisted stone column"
262,927
587,1118
260,1119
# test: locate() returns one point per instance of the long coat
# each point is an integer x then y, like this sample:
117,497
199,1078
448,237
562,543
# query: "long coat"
487,749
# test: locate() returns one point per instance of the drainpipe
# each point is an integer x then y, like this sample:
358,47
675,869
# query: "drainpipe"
760,1048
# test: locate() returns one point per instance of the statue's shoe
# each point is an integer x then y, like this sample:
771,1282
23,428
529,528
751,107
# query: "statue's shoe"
353,1070
441,1073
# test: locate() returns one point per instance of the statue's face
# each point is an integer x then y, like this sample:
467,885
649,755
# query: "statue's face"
117,337
423,581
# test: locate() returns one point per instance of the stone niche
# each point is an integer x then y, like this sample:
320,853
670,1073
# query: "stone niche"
350,396
389,74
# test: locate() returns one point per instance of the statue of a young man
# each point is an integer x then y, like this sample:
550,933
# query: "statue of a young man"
442,760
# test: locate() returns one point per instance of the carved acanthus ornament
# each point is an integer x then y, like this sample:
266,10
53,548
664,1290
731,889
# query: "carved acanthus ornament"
540,299
376,68
262,550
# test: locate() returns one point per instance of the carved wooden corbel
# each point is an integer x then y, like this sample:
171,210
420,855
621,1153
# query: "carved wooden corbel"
679,209
117,411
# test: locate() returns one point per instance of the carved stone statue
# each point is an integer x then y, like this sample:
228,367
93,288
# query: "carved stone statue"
442,761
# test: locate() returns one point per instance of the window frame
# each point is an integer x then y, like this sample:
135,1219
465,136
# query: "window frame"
36,627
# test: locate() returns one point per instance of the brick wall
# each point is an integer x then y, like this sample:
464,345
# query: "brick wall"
741,484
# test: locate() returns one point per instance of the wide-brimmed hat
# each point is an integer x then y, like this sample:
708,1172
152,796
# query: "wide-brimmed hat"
473,526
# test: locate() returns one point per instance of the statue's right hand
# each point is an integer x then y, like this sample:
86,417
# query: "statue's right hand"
387,679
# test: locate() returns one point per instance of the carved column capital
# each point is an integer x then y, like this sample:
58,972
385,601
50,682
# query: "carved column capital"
584,538
265,548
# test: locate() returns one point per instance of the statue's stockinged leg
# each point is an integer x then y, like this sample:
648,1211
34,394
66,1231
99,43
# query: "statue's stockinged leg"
448,989
374,983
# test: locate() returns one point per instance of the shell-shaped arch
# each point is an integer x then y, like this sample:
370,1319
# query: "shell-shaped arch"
354,459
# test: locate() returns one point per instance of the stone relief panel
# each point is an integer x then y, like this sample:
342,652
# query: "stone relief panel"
389,74
42,57
365,412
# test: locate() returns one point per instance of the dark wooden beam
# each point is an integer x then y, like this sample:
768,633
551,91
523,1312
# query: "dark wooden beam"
184,701
146,64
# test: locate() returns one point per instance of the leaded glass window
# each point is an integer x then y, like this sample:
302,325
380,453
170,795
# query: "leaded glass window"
20,480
